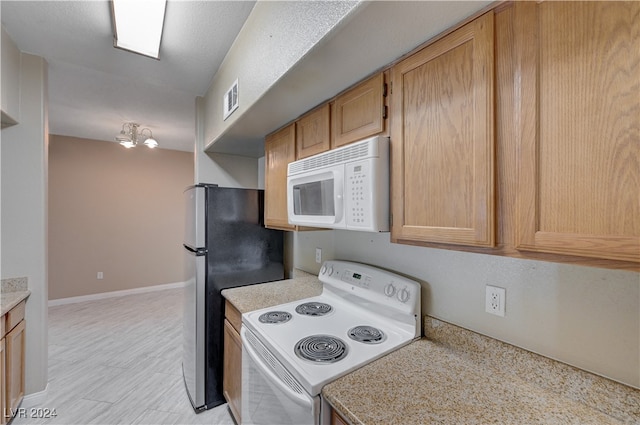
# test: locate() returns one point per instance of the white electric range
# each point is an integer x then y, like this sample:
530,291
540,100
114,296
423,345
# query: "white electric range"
290,351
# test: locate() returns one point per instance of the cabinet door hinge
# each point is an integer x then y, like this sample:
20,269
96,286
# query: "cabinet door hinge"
384,90
384,112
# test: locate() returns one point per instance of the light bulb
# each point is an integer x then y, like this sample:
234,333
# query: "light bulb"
151,143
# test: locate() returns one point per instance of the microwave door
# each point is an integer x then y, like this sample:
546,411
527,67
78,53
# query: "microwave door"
315,199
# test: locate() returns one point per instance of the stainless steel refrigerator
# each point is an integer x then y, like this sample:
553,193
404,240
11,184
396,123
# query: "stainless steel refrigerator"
226,245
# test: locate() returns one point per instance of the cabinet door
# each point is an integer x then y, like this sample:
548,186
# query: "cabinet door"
14,366
313,132
3,411
442,140
578,128
232,377
336,419
359,112
279,152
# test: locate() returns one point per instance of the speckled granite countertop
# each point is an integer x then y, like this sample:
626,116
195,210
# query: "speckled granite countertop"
456,376
427,383
12,292
255,297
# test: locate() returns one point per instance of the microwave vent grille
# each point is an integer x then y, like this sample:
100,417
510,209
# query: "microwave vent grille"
333,157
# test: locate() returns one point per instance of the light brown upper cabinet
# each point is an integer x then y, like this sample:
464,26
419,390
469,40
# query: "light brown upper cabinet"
279,152
359,112
442,140
579,128
313,132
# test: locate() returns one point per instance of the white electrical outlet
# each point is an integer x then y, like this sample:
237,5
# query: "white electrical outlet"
318,255
100,275
495,300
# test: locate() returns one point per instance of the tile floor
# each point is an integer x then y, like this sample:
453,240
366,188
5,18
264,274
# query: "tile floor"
118,361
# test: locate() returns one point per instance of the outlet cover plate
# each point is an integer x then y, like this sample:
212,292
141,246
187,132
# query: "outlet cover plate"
495,300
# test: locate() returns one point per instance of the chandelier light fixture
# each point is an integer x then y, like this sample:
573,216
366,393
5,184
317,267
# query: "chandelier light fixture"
130,136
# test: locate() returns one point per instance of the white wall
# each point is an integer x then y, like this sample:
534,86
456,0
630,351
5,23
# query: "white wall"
10,77
24,211
223,170
587,317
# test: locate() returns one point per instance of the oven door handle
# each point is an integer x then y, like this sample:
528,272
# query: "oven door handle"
304,400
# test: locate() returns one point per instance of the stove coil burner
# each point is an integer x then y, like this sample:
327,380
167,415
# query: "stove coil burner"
314,309
321,349
274,317
366,334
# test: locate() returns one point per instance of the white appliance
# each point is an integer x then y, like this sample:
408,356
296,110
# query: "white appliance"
290,351
344,188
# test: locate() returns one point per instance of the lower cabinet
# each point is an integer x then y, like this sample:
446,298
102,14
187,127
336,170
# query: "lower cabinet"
3,420
336,419
232,378
15,367
12,361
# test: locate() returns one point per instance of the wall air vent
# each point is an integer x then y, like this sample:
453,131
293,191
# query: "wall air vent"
230,101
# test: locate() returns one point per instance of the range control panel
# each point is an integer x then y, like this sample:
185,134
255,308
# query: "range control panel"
375,285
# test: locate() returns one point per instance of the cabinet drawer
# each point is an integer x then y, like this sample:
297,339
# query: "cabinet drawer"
233,315
14,316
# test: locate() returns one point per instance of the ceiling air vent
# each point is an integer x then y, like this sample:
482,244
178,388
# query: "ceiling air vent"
230,101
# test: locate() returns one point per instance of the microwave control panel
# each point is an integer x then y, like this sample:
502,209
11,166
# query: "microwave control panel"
358,194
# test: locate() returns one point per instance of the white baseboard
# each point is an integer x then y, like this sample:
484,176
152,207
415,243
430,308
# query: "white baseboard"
103,295
35,399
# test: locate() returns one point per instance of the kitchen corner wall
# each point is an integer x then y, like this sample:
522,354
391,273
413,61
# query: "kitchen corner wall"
24,211
223,170
117,211
586,317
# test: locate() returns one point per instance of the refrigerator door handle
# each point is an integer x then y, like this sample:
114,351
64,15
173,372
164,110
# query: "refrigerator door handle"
197,251
194,350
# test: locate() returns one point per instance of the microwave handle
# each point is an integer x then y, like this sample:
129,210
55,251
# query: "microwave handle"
339,197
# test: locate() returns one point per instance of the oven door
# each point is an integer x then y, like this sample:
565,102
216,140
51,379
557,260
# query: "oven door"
270,394
316,198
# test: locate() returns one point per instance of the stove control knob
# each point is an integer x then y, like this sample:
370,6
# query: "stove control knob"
330,271
323,269
403,295
390,290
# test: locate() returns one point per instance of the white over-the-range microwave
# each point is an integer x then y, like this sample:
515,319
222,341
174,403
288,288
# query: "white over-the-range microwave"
344,188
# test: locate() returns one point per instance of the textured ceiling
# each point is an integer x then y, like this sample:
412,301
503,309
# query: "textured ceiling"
94,88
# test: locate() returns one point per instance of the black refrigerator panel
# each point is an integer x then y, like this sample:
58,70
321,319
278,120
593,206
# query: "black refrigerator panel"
239,247
240,251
